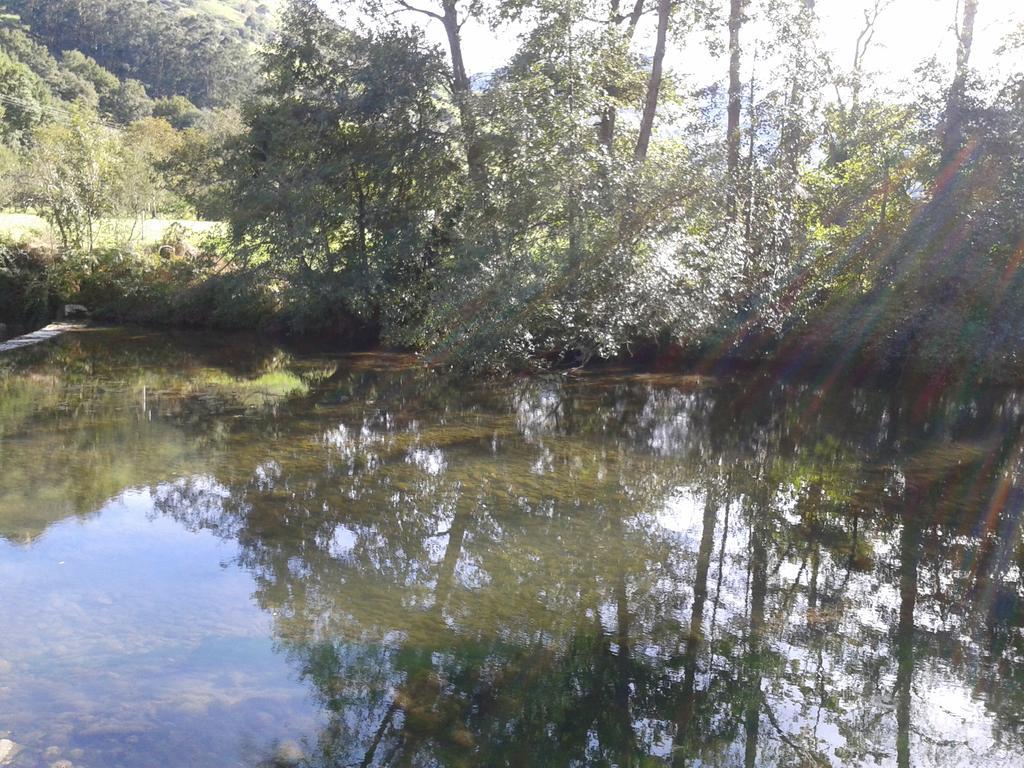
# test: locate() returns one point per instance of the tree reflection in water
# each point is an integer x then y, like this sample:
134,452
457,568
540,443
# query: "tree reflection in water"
607,570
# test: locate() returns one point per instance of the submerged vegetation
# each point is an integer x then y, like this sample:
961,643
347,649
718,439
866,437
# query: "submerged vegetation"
586,199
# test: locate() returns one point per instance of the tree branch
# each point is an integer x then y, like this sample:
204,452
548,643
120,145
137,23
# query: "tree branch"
425,11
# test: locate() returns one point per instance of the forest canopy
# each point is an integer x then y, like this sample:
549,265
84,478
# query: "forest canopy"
588,198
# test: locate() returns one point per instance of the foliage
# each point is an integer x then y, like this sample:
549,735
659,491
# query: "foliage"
178,111
20,110
60,79
67,177
170,53
130,102
140,186
78,172
26,294
196,169
341,176
577,253
582,201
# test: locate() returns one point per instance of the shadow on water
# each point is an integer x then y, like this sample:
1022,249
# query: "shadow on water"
605,570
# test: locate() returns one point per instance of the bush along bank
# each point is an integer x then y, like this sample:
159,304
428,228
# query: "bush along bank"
28,298
172,284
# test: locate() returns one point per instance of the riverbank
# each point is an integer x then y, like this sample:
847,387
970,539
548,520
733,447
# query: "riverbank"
208,287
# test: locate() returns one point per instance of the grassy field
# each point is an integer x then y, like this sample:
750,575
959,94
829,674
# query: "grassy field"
29,227
231,12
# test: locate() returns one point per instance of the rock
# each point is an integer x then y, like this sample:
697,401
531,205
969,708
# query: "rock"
289,753
8,749
75,310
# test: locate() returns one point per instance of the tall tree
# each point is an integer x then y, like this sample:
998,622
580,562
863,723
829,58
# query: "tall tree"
452,19
860,50
736,8
614,87
342,172
654,83
792,129
952,137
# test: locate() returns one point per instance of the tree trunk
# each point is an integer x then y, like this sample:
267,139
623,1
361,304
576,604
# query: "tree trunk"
952,138
364,261
791,138
606,128
733,127
654,84
684,719
758,595
792,130
910,542
748,213
609,115
462,91
883,213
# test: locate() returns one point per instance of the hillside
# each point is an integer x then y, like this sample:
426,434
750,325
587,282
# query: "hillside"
199,49
251,19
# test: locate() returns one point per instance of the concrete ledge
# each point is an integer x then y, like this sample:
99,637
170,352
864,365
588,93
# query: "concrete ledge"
43,334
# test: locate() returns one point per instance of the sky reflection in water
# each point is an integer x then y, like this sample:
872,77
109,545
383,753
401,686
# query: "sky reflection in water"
214,552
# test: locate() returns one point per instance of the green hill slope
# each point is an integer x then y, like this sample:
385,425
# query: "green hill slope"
200,49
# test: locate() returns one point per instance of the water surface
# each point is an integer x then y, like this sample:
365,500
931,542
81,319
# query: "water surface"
216,552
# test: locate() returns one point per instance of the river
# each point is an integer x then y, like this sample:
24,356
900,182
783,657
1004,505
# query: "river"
215,551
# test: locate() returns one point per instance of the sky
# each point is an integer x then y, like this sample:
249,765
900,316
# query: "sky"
908,32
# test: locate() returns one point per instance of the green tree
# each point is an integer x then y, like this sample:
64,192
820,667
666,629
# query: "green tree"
341,182
563,265
129,102
66,178
171,52
197,170
178,111
103,82
21,101
138,187
452,15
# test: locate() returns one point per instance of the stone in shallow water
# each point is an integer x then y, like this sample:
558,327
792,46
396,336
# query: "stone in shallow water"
289,753
8,749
